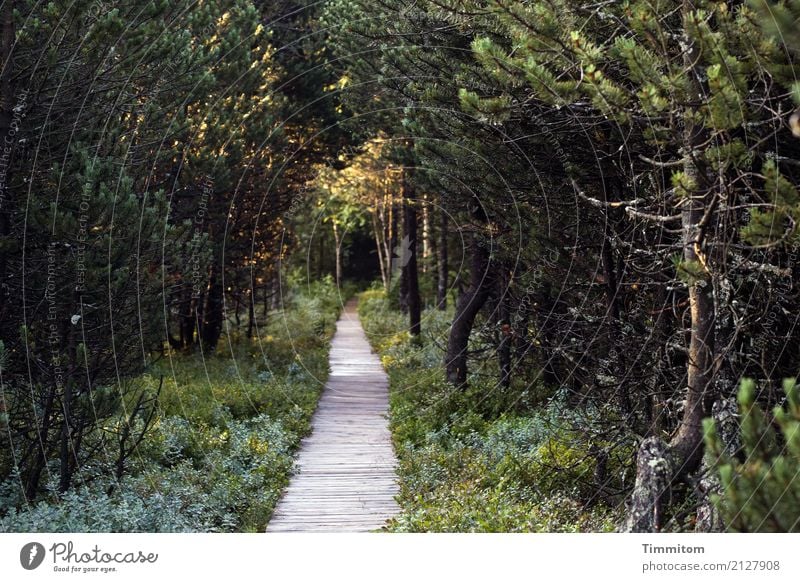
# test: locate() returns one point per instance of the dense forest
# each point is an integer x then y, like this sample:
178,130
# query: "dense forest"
572,228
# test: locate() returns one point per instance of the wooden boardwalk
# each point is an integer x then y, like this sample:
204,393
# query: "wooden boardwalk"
345,480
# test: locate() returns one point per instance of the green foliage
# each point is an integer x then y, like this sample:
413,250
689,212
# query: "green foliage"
779,19
206,479
761,490
690,272
768,227
489,109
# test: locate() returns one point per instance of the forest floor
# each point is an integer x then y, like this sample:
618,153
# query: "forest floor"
345,478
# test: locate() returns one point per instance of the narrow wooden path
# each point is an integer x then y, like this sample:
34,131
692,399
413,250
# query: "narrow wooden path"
346,477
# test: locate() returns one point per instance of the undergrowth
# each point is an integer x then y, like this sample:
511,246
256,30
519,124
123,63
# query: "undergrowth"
220,452
486,458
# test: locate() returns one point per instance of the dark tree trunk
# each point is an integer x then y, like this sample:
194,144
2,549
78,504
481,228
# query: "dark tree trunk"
41,446
321,254
402,292
66,436
550,372
70,428
188,318
198,312
441,283
426,234
237,308
403,250
337,242
615,339
265,298
251,309
467,308
394,262
410,276
277,290
176,298
612,192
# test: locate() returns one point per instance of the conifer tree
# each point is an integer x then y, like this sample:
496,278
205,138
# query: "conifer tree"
760,491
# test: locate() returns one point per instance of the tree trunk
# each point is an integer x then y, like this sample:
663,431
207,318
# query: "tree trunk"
267,287
199,317
504,345
404,249
338,252
441,285
725,413
68,450
41,446
251,308
612,192
321,254
237,309
376,232
426,234
386,238
64,453
403,287
615,327
392,237
467,308
410,272
660,465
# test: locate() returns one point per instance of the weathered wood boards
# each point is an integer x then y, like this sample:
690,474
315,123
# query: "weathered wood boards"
346,468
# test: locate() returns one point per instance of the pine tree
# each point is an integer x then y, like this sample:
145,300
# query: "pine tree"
760,491
150,167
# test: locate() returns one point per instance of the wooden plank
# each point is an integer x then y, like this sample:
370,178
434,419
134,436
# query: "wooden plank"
345,476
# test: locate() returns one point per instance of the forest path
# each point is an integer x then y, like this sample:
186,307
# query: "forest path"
345,480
